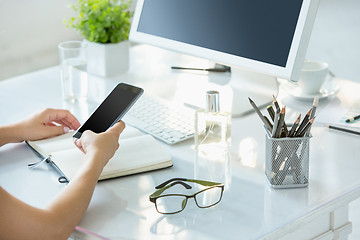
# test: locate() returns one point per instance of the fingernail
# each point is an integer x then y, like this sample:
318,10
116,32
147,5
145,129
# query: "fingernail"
66,129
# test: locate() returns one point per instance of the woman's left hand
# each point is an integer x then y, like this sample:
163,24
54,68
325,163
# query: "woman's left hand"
44,124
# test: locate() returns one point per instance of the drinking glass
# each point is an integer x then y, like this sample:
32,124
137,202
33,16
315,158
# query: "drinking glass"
73,73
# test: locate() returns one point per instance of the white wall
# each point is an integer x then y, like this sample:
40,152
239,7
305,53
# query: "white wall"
336,37
30,31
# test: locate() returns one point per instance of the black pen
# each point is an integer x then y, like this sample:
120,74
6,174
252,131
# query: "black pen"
353,118
343,129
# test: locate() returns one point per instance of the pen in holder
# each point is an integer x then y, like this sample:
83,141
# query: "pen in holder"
287,161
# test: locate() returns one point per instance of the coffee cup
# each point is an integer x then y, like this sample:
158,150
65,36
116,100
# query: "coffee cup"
312,76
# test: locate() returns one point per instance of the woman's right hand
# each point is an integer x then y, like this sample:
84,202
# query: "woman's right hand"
102,145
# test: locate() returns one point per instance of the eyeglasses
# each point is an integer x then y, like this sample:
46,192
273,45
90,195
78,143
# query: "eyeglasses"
175,203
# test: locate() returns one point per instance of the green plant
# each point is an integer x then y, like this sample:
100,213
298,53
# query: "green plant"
102,21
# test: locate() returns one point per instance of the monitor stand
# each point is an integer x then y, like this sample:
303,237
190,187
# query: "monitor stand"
235,87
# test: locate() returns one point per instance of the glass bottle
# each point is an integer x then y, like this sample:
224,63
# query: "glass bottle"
213,141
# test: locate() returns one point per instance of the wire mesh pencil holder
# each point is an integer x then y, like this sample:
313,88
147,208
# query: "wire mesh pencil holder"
287,161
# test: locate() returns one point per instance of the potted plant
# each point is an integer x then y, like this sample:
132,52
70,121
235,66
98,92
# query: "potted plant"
105,25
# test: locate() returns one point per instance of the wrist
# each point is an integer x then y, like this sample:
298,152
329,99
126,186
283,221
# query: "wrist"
96,159
10,134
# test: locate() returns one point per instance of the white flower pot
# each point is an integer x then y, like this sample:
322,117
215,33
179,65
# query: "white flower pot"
109,59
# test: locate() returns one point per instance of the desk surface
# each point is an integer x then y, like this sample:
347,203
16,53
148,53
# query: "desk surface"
120,208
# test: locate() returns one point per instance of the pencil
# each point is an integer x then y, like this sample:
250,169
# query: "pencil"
303,123
281,123
352,119
260,115
271,112
276,104
306,128
270,124
293,128
312,115
284,130
276,124
313,109
343,129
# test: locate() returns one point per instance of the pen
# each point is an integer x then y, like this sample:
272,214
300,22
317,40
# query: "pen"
352,119
215,69
260,115
343,129
293,128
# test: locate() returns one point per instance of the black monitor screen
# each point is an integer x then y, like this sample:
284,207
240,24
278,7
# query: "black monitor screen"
260,30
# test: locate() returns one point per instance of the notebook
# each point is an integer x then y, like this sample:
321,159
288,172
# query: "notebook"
137,153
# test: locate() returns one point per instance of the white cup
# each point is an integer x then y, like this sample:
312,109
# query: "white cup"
312,76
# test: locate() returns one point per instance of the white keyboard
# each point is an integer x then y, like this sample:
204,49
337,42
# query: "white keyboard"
156,117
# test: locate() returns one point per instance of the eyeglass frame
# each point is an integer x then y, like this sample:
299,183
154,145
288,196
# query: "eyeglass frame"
165,185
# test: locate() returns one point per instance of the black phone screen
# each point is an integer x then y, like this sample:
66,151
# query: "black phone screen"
112,109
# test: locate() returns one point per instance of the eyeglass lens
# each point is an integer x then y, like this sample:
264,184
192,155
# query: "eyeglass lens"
209,197
171,203
176,203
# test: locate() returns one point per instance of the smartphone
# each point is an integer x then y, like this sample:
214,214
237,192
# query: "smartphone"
112,109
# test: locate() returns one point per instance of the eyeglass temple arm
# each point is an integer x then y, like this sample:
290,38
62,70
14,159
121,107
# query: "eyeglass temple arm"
204,183
160,191
201,182
169,181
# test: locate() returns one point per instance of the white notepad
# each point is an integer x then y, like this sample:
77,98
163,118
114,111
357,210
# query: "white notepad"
137,153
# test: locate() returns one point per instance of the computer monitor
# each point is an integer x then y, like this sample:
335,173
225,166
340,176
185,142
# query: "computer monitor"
265,39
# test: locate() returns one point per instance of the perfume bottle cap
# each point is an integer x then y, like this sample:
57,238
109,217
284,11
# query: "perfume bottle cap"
212,101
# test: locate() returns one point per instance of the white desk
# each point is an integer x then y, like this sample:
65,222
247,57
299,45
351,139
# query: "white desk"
120,208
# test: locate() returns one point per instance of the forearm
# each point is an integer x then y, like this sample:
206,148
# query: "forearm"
10,134
56,221
71,203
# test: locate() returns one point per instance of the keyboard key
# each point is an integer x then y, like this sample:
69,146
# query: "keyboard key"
154,116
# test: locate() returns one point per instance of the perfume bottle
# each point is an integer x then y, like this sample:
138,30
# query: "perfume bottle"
213,141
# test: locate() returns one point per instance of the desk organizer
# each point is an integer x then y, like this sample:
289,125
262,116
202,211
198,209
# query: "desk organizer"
287,161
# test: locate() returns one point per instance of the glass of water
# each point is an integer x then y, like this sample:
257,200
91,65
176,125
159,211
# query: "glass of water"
73,73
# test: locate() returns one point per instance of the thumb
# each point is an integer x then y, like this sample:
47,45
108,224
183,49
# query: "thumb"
117,128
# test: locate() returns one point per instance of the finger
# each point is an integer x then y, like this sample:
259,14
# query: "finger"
64,123
55,130
55,115
78,144
117,128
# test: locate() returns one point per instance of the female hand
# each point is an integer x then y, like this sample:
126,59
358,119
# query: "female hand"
103,145
46,123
